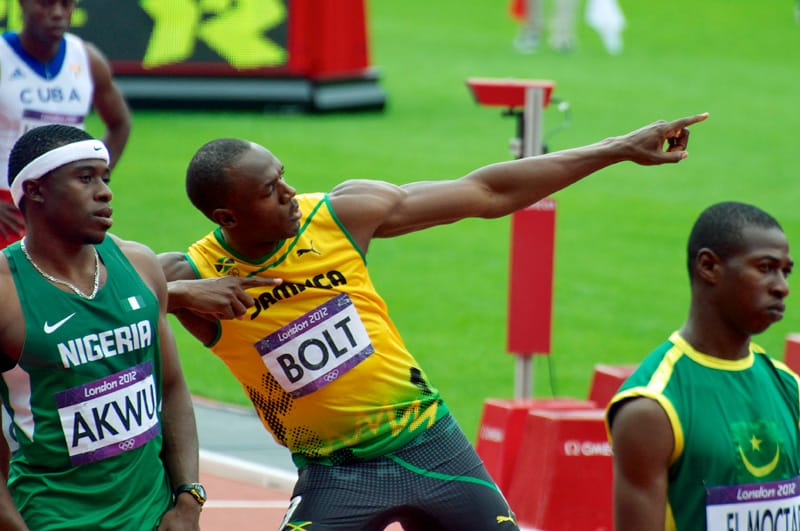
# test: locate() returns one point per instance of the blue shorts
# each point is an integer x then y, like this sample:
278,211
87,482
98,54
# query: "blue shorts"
436,483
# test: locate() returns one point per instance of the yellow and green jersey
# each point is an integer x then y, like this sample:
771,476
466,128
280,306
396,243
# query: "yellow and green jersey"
736,455
318,355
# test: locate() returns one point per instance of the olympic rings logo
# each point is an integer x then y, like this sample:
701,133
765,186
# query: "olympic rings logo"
130,444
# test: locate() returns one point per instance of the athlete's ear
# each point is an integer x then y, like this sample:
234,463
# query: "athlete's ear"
32,190
224,217
708,265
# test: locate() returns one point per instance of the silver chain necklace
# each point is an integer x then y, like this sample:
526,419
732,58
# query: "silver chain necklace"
70,285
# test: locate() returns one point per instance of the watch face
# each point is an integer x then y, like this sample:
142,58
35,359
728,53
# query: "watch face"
200,490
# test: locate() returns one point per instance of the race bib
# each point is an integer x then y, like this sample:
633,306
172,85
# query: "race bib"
32,119
110,416
317,348
773,506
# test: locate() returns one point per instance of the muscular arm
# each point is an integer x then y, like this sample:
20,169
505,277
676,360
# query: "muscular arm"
110,105
11,338
181,449
12,329
376,209
643,443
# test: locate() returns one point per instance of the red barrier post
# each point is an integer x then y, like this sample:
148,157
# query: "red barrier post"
531,278
502,427
563,475
791,353
533,231
606,380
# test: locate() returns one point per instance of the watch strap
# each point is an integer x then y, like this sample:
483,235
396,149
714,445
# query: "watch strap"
197,491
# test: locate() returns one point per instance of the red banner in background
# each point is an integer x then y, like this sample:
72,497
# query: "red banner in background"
311,54
530,298
518,9
310,38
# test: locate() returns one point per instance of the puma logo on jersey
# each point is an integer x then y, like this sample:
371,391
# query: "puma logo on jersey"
50,328
301,252
509,519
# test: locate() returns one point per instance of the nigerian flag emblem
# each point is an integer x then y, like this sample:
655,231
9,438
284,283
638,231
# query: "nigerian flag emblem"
758,447
224,264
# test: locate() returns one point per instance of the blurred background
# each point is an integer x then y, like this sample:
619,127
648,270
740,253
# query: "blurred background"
620,282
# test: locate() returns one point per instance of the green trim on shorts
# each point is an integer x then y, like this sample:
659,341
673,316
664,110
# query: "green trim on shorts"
438,475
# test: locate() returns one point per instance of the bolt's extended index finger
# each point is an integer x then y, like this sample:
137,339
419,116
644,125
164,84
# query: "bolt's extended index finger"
689,120
255,282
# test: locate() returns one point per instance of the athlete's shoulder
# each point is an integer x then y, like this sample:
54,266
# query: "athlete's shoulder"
10,45
142,257
210,240
11,333
312,196
312,199
82,50
657,366
73,40
783,370
126,246
666,349
9,35
6,282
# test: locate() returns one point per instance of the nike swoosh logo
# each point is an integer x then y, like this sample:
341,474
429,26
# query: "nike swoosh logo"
49,329
97,148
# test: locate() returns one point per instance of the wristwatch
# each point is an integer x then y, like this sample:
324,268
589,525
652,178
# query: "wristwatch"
197,491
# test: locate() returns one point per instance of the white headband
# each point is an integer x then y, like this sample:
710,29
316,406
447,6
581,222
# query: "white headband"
47,162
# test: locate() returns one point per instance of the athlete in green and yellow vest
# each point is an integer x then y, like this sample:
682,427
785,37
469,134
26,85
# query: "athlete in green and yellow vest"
735,426
335,384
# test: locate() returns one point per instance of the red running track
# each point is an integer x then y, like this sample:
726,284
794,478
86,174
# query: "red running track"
234,504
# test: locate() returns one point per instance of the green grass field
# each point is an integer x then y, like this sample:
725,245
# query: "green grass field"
620,283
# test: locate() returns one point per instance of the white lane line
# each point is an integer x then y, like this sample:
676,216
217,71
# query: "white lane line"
245,504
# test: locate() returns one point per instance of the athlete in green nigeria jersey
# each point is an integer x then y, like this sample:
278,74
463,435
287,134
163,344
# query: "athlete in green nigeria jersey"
100,423
83,400
705,431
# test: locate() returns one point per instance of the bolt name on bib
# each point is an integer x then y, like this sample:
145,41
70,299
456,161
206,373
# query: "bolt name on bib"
317,348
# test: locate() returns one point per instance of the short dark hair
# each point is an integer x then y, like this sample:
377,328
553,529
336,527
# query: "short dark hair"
207,173
720,228
39,141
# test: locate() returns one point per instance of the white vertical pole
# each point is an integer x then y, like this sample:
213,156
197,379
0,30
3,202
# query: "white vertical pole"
532,120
